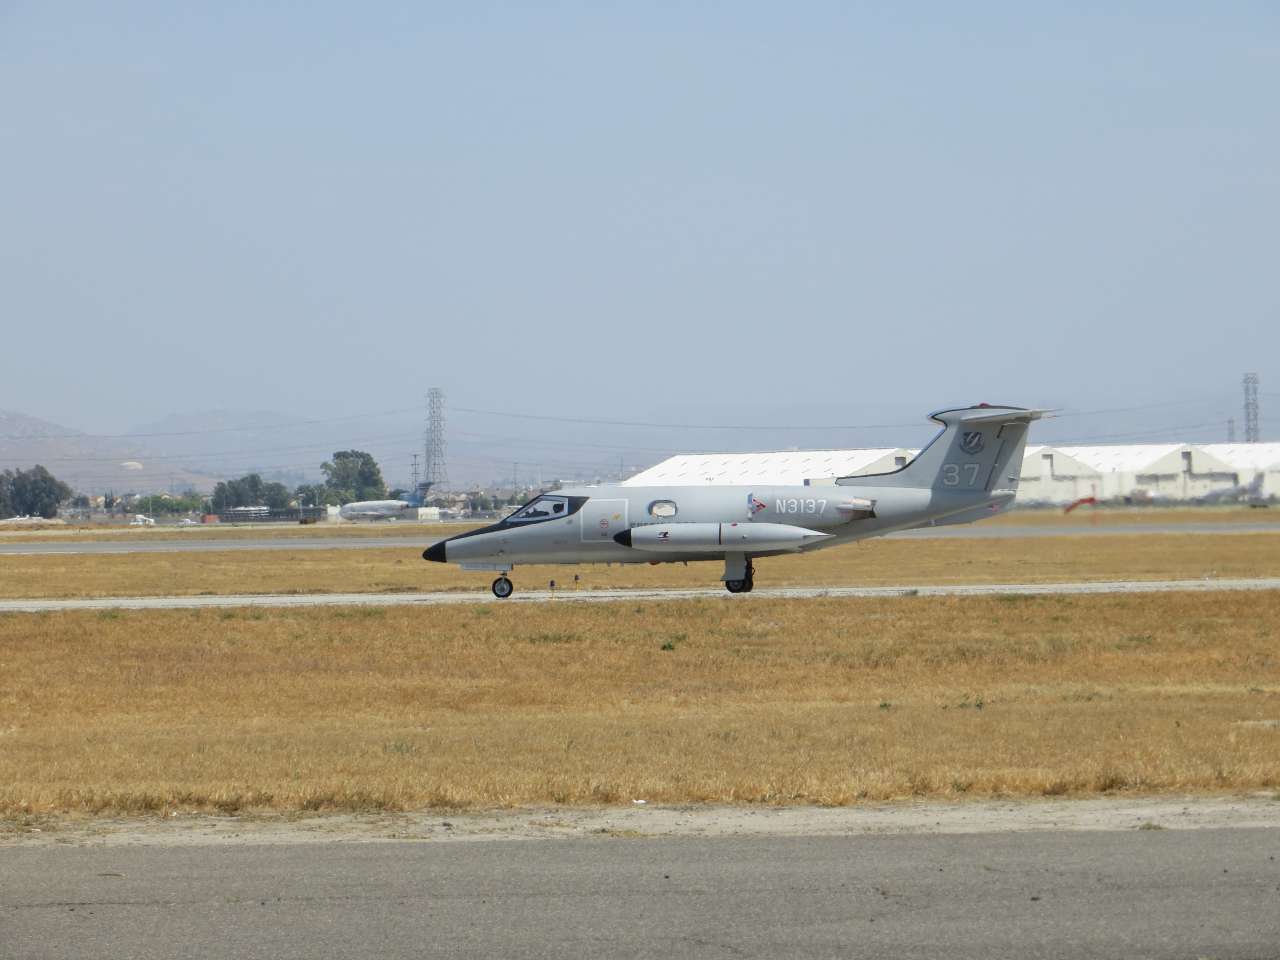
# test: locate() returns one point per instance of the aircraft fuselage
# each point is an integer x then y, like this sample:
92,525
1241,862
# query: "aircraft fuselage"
595,516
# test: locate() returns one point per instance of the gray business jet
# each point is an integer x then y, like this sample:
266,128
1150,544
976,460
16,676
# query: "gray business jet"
967,472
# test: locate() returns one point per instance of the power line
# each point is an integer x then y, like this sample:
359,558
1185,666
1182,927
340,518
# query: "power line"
808,426
1141,406
680,426
1137,435
553,418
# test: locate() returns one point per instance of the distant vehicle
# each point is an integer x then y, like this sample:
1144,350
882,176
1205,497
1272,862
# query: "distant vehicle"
969,471
140,520
188,522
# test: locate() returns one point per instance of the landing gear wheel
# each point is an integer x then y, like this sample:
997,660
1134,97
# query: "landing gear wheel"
746,584
502,588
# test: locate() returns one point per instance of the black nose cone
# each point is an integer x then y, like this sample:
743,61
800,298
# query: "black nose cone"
435,552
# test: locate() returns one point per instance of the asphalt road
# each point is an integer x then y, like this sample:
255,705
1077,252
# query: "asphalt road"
482,595
1135,894
196,543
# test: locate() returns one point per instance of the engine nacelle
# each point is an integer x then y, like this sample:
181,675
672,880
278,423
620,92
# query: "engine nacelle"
730,537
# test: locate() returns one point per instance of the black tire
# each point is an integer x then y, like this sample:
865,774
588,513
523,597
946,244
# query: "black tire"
737,586
503,588
750,585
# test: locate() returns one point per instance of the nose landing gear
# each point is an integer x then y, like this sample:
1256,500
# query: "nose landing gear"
502,588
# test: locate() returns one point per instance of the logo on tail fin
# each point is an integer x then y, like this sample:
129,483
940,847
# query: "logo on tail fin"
972,441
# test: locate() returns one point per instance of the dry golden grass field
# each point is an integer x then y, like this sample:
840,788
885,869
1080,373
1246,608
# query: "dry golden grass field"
771,701
871,562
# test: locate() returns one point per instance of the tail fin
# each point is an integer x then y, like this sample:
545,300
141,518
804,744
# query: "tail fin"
979,449
418,497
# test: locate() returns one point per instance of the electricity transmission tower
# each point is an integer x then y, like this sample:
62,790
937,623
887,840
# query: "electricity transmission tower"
436,474
1251,432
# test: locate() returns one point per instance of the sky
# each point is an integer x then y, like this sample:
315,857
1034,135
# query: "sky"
799,219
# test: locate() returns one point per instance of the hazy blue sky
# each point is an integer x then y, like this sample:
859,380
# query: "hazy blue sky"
731,213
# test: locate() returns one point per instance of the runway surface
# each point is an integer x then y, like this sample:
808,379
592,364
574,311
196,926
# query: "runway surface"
1137,893
198,544
481,595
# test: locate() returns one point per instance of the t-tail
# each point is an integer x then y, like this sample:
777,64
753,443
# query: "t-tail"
418,497
978,451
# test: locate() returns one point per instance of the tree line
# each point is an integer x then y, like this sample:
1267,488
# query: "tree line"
349,475
31,493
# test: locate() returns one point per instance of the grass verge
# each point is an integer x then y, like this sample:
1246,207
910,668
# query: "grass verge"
872,562
233,532
828,702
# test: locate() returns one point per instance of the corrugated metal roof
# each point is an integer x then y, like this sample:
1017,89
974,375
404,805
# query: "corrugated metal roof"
783,468
1245,456
795,467
1121,458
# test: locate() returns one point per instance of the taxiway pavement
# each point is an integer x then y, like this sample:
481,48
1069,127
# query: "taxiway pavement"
1137,893
631,595
205,544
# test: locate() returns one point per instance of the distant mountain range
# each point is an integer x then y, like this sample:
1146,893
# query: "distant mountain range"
91,464
278,446
196,450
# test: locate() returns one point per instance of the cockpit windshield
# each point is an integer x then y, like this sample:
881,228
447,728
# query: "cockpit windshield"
543,508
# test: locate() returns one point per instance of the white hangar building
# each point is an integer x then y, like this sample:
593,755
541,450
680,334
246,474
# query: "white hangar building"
1050,475
1249,460
784,468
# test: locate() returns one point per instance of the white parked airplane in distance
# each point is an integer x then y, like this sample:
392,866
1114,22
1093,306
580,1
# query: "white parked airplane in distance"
383,509
374,509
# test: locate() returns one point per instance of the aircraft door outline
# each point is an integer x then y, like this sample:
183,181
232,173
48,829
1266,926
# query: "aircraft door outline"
602,518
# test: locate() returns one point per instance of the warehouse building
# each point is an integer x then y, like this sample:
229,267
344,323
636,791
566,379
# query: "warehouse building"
1137,471
1134,473
1251,461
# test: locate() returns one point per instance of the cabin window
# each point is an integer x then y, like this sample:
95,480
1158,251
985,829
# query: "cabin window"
662,508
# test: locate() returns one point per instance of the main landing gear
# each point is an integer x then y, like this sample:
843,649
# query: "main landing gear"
502,588
745,582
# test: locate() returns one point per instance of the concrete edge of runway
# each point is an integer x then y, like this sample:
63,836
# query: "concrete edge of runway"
195,544
1084,588
640,820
